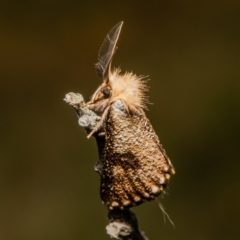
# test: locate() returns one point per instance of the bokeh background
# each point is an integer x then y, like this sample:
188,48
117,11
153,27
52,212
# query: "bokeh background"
190,50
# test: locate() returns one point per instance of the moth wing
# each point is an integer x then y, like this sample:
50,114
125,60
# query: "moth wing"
136,167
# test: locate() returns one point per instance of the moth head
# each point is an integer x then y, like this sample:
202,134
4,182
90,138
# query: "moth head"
101,98
128,87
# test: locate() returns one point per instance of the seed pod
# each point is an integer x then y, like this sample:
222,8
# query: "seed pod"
135,167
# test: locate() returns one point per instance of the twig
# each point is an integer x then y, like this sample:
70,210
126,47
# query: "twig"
122,223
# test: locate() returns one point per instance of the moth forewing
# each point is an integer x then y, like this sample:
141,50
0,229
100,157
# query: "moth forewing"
136,166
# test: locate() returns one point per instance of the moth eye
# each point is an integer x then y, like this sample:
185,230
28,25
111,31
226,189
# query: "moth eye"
106,92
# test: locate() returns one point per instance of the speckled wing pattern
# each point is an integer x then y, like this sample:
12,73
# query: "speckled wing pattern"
135,166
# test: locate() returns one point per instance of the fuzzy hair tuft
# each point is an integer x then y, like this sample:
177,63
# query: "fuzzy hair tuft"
129,88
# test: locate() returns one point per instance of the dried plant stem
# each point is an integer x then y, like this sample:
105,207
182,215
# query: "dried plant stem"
122,223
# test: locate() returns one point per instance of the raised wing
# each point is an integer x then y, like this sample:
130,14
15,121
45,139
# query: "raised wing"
107,51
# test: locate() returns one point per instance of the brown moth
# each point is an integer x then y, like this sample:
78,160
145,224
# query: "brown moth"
135,167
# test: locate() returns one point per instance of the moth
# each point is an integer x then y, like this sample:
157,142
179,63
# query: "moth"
135,167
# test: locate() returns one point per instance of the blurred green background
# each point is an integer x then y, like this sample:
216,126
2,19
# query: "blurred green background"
190,50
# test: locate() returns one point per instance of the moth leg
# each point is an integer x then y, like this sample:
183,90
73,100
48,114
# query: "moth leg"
100,123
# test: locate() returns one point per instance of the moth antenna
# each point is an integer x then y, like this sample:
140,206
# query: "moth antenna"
107,51
99,124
